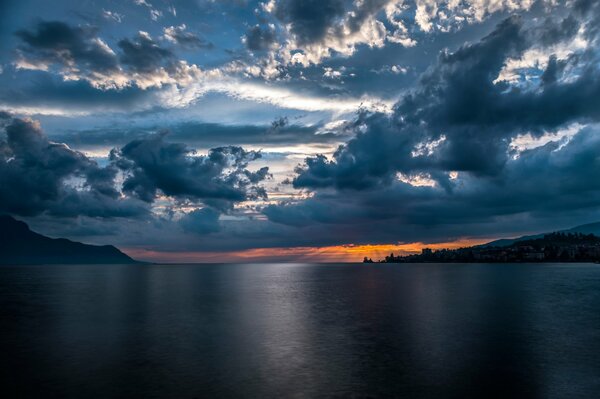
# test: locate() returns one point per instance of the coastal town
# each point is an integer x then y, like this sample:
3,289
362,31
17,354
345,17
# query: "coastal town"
554,247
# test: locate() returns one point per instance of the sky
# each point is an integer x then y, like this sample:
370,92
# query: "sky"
298,130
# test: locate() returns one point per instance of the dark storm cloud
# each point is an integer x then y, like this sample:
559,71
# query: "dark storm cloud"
218,179
201,221
80,54
143,54
58,43
458,107
37,175
459,119
41,176
311,20
554,69
541,182
259,38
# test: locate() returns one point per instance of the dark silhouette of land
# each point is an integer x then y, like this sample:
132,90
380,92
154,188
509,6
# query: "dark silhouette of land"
590,228
19,245
553,247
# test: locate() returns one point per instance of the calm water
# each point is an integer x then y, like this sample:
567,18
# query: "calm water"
414,331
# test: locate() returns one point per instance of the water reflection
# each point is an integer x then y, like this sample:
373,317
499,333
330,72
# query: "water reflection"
301,330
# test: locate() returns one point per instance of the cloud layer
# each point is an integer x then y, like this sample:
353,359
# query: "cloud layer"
40,176
445,157
284,123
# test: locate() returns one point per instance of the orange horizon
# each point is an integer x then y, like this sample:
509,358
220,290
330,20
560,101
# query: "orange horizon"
335,253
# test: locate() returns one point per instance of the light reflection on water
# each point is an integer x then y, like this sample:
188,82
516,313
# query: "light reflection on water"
270,330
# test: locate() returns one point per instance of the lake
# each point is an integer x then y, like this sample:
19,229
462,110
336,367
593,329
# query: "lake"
301,330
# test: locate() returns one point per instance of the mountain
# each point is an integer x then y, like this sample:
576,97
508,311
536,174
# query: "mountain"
507,242
590,228
553,247
19,245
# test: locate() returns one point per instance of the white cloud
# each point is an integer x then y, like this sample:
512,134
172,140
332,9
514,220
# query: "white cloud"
342,41
446,14
394,12
343,37
154,13
516,70
427,148
527,141
32,110
170,33
115,16
263,93
394,69
417,180
331,73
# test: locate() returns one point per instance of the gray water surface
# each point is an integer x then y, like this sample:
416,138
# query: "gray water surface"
301,330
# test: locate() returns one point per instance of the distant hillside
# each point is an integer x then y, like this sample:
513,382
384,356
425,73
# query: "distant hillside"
19,245
553,247
590,228
507,242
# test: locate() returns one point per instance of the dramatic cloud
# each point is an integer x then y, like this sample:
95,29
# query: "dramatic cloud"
460,107
144,55
38,175
140,63
446,14
260,38
445,157
74,50
318,28
220,178
370,121
79,54
564,183
310,20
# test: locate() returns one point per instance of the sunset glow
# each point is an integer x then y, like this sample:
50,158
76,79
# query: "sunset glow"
337,253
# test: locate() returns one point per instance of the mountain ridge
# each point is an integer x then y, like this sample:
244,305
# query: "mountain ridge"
19,245
588,228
